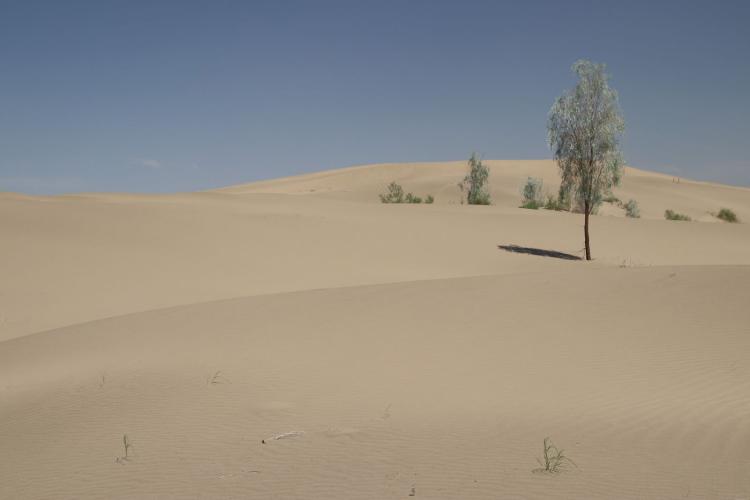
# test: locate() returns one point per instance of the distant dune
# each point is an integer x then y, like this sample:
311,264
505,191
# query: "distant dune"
394,348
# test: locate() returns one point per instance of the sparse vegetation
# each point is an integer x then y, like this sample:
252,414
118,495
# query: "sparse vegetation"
553,460
475,182
583,131
532,194
410,198
554,203
396,194
727,215
216,378
631,209
672,215
430,199
611,198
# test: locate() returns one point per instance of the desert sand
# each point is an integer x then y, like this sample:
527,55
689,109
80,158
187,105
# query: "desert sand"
393,350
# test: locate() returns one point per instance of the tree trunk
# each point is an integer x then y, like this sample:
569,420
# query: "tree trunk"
586,211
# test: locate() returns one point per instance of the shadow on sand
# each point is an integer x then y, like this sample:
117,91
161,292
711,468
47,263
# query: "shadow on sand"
538,251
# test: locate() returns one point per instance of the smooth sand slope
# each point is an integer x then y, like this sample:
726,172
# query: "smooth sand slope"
402,348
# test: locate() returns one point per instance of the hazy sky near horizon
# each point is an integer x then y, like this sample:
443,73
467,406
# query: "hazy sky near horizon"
158,96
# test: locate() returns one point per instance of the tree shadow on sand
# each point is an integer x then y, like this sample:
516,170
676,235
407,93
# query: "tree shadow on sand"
538,251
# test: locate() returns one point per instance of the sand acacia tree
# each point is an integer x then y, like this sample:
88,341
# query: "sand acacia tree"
584,129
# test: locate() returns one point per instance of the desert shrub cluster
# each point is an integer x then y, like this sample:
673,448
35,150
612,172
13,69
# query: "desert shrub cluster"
672,215
395,194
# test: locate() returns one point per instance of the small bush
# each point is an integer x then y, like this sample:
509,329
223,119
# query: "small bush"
410,198
727,215
631,209
532,193
395,194
553,460
672,215
475,182
611,198
553,203
430,199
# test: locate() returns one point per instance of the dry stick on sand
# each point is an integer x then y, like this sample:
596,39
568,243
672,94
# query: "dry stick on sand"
285,435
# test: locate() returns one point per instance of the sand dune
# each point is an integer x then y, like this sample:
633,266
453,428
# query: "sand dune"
400,345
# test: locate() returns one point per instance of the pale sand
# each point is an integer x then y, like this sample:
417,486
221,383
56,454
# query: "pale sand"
406,349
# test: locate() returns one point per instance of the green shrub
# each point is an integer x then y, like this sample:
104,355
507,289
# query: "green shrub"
611,198
395,194
631,209
672,215
554,203
430,199
475,182
579,207
532,193
410,198
727,215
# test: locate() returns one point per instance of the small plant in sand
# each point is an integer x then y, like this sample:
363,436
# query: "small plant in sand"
554,203
474,184
553,459
126,445
611,198
532,193
430,199
672,215
727,215
216,378
631,209
410,198
396,194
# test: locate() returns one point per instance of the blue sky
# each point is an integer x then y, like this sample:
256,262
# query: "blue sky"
160,96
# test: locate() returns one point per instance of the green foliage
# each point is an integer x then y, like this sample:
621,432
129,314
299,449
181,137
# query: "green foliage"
532,193
564,196
727,215
631,209
553,203
553,459
579,207
410,198
475,182
672,215
395,194
430,199
590,163
611,198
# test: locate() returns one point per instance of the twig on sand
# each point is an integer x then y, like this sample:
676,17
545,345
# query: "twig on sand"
217,378
286,435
